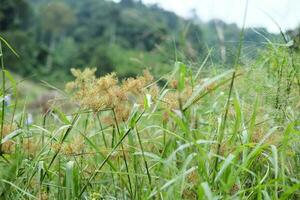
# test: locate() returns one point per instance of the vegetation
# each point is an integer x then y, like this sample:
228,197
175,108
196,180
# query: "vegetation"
204,134
127,37
200,130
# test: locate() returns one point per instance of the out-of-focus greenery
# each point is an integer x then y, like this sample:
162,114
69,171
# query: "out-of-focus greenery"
194,133
53,36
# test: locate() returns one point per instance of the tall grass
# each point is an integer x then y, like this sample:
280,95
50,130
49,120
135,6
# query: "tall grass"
223,139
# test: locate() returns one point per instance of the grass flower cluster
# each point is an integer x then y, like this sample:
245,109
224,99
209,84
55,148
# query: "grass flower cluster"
108,93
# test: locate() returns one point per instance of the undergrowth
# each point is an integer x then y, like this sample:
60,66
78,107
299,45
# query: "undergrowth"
205,133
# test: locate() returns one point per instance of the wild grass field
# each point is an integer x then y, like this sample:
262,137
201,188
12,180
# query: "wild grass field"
201,132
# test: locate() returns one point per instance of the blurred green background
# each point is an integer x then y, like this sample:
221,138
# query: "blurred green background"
127,37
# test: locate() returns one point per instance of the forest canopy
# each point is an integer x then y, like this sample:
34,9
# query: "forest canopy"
54,36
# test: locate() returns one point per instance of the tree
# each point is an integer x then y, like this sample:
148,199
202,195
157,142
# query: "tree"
14,14
57,18
127,3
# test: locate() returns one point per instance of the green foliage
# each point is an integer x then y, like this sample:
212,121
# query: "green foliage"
14,14
191,151
203,132
57,17
54,36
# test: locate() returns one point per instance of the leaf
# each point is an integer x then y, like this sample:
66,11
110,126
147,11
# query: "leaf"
275,160
133,116
290,191
258,148
11,136
187,145
200,88
172,181
290,43
8,45
61,116
71,180
239,117
225,165
12,81
148,101
18,188
202,65
182,75
207,191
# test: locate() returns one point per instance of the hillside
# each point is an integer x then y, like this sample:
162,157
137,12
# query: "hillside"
127,37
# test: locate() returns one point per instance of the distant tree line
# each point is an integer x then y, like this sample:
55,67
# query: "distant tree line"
53,36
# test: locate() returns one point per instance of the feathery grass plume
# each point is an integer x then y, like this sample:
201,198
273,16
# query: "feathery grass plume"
30,146
43,196
175,98
74,146
107,92
8,146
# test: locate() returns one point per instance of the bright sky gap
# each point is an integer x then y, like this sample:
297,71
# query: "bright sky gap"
285,12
